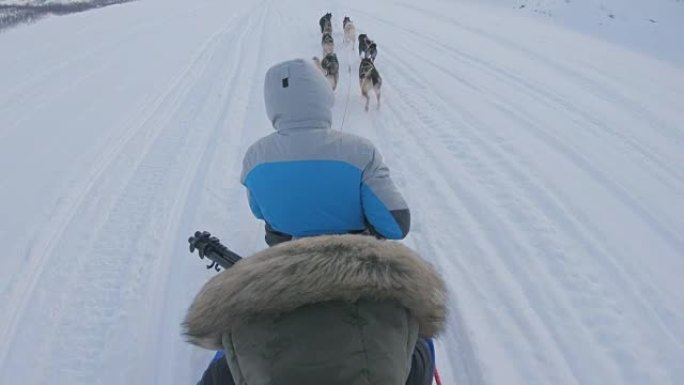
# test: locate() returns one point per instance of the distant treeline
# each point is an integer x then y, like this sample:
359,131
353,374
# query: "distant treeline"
11,15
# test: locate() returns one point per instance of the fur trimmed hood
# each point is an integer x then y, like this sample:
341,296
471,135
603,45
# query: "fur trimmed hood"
312,270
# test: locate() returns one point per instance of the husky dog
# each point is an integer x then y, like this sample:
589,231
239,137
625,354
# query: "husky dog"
327,43
369,78
330,68
349,31
326,23
364,41
371,51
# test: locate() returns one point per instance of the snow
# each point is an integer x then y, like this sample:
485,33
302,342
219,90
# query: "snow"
651,26
541,161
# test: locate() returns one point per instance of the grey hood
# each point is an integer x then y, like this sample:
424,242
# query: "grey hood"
297,95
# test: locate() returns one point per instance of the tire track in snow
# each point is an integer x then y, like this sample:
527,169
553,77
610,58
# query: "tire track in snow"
476,210
168,366
558,103
156,221
543,97
458,360
130,149
552,205
458,355
655,166
507,287
613,96
602,179
465,365
30,92
499,103
502,164
538,190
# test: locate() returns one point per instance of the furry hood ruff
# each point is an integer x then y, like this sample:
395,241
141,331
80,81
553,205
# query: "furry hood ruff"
312,270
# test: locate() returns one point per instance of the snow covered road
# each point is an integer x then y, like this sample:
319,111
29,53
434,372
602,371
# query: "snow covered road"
543,169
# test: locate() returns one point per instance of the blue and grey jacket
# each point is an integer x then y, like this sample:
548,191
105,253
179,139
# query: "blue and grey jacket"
307,179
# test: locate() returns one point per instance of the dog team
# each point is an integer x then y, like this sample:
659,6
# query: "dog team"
369,77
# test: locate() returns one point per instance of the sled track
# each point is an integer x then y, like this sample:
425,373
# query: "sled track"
457,360
527,121
520,164
108,260
541,194
235,85
481,158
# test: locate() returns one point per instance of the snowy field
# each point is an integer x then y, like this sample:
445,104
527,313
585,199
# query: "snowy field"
650,26
543,167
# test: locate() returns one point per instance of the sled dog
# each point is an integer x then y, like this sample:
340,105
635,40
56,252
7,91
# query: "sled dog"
349,32
327,43
369,79
364,41
330,67
371,51
326,23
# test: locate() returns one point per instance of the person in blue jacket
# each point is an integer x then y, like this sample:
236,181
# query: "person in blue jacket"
306,179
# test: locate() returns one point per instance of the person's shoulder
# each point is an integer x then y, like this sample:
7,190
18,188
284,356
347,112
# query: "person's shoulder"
265,139
256,153
260,144
355,140
355,148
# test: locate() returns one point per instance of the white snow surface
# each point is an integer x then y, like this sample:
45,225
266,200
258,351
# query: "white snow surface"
651,26
543,168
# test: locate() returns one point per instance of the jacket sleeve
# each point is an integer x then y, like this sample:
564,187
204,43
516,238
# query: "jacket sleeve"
254,205
385,209
247,165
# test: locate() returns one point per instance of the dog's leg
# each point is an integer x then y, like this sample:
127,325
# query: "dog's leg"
376,90
364,92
